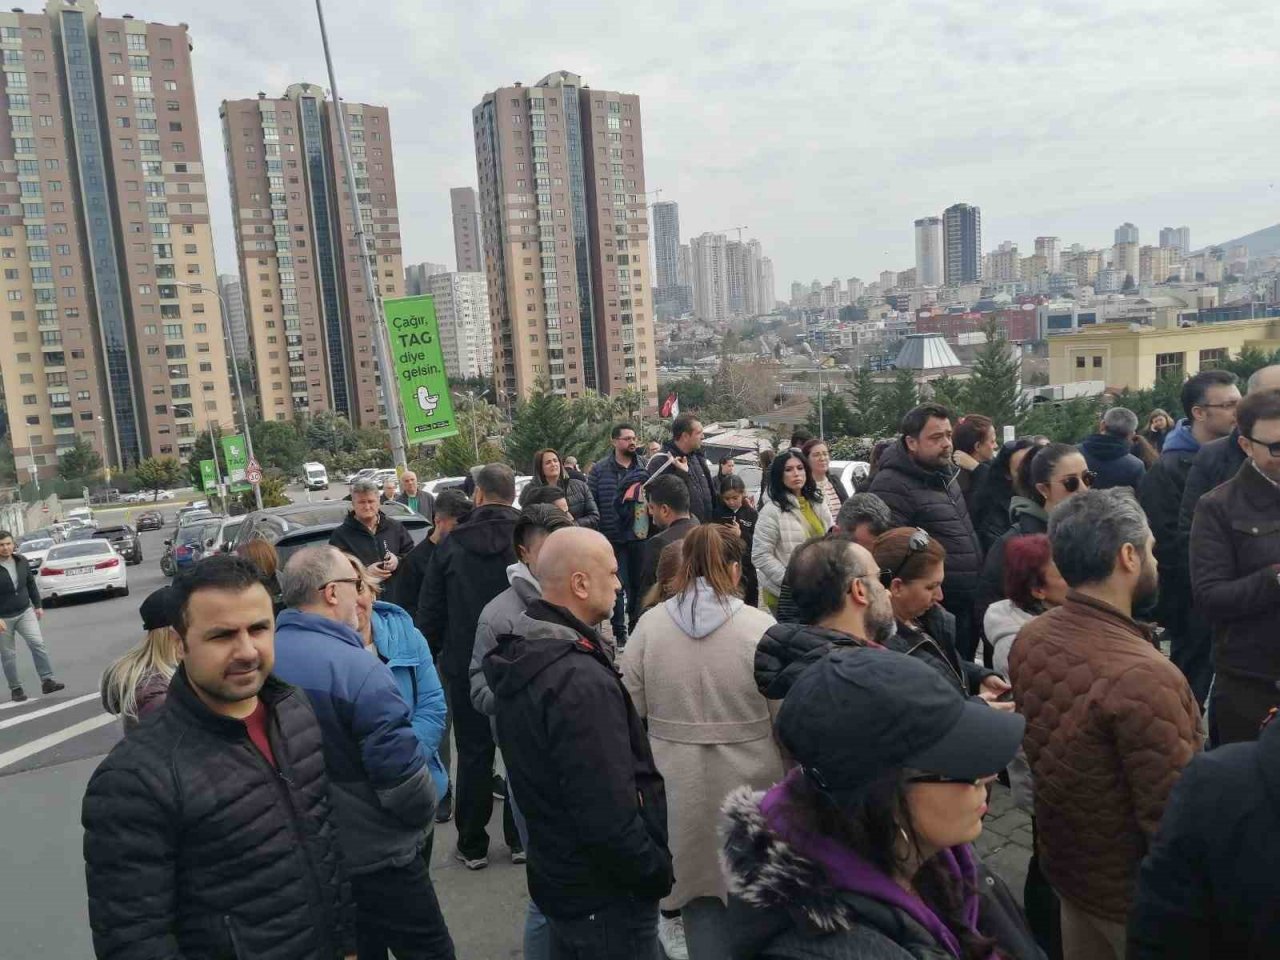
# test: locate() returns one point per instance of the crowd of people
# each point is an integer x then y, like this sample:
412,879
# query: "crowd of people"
735,723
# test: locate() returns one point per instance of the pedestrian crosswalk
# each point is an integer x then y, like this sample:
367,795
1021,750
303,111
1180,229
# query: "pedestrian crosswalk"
53,729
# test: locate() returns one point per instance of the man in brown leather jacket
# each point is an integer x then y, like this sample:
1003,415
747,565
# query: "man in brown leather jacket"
1110,721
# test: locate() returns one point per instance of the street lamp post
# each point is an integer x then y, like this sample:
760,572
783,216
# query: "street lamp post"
235,371
106,464
475,426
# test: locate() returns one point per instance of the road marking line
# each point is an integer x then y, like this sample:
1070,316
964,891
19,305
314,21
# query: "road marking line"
34,714
52,740
25,703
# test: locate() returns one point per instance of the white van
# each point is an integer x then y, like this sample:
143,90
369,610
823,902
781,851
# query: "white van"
82,516
315,476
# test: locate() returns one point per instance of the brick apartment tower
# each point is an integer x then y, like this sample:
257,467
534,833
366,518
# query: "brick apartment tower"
104,216
566,238
310,330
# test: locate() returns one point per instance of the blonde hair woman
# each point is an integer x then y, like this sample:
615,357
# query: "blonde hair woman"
136,685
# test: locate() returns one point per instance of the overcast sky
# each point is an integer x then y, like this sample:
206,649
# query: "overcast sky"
826,127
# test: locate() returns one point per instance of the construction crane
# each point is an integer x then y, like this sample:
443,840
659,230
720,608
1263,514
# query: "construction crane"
657,198
731,230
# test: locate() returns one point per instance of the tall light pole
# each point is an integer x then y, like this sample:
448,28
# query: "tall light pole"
382,354
475,427
235,370
106,464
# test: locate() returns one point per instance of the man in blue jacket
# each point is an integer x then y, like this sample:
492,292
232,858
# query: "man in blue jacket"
1109,452
608,481
381,786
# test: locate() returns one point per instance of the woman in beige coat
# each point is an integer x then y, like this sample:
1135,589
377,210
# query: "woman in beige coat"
688,667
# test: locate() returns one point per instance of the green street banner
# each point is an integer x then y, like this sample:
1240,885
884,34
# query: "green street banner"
421,379
208,476
235,457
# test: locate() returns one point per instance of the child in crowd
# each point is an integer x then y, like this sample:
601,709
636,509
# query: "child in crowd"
733,510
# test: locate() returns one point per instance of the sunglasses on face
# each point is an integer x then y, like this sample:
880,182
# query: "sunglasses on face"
1073,483
1272,448
918,543
359,582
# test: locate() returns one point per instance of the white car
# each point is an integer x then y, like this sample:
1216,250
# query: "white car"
163,495
35,550
81,566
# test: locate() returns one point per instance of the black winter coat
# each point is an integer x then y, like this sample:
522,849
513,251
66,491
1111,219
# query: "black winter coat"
788,649
579,760
17,597
653,548
409,577
196,847
1207,887
581,502
991,586
467,570
606,482
1216,463
934,642
353,537
932,499
702,491
1111,458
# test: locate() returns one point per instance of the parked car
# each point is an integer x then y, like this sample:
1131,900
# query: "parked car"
434,487
194,541
82,566
191,514
164,495
227,535
84,532
149,520
80,515
57,532
301,524
111,495
35,548
125,539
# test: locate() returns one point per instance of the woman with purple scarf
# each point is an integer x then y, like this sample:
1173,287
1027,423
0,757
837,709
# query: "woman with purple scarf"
863,851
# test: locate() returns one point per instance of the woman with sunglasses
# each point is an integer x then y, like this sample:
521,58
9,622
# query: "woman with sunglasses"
389,634
991,502
912,567
795,512
1051,475
863,852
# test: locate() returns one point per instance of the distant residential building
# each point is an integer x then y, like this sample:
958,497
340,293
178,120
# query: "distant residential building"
666,243
1155,264
462,313
710,277
1083,264
907,279
416,276
1109,280
233,296
930,252
768,296
566,232
1003,264
1126,233
311,323
1125,258
1051,249
888,279
798,293
857,289
962,237
1030,268
468,241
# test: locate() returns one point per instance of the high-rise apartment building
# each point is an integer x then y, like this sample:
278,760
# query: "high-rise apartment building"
417,275
857,289
666,243
736,273
710,258
929,252
104,227
1003,265
962,237
1051,249
768,297
888,279
1155,264
566,226
1125,259
309,320
1176,238
462,312
1126,233
468,240
233,298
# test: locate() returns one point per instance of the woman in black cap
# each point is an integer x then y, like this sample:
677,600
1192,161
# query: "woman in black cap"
136,684
863,851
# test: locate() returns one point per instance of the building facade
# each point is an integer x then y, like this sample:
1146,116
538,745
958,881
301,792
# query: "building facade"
1051,249
310,325
566,226
1125,259
462,312
111,324
468,240
233,299
709,256
929,252
1126,233
417,275
962,235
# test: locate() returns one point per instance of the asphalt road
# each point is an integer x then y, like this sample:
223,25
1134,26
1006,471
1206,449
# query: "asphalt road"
49,746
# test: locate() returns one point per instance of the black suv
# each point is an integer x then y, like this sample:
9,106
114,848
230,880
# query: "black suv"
126,541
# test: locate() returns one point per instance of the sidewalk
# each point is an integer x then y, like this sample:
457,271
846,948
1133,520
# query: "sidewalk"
1005,844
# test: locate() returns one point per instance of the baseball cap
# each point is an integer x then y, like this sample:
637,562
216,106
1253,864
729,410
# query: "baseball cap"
861,712
158,609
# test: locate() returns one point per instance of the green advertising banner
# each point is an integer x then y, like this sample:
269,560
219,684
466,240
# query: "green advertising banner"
235,457
418,362
208,476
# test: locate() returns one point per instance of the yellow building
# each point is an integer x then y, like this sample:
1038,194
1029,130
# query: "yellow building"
1132,355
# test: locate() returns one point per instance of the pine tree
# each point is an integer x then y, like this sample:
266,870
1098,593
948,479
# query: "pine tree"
865,400
993,388
897,400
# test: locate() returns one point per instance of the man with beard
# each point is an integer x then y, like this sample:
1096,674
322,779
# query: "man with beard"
380,785
839,600
1110,721
208,832
609,481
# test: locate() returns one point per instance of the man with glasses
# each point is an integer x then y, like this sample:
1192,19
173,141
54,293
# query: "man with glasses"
609,480
1235,574
380,785
1209,400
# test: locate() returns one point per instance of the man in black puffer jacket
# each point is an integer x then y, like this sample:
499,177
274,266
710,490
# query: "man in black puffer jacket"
918,482
208,831
683,456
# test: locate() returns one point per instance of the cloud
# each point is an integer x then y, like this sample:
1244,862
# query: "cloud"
826,127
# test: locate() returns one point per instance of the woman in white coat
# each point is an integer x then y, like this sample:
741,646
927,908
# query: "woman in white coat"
795,513
689,669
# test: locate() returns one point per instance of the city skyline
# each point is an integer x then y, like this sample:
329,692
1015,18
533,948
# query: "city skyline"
731,159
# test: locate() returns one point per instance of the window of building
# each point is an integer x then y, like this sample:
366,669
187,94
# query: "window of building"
1170,365
1214,359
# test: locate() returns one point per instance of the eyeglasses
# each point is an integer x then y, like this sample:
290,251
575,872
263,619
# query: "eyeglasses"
1272,448
358,581
1228,405
939,778
918,543
1073,483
